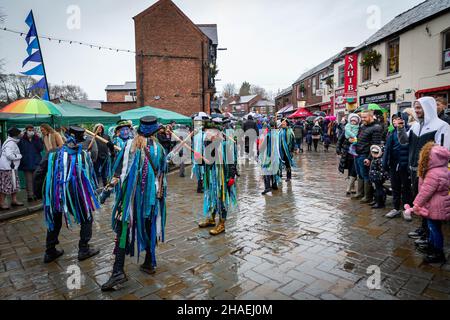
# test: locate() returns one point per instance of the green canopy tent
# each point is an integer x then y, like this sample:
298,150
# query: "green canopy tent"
71,114
163,116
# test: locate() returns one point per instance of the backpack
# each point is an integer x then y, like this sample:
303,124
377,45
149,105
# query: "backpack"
316,131
298,131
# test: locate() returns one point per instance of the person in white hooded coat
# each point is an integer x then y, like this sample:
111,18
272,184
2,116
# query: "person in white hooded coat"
428,127
9,164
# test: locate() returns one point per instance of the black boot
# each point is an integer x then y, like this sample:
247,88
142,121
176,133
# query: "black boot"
289,175
118,276
52,254
147,266
86,253
425,248
267,188
200,186
435,256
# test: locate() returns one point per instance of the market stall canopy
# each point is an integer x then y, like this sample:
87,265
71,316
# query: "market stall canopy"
287,109
164,116
69,114
301,113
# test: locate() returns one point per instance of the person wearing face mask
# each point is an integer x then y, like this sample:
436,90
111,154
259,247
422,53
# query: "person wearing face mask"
30,146
9,163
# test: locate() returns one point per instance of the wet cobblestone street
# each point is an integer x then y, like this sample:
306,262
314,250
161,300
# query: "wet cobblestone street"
305,241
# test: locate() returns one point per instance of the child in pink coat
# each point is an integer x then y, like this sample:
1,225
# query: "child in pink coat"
433,199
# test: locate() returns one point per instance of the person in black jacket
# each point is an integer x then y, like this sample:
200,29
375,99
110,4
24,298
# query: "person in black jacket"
441,108
31,146
250,124
299,131
427,128
104,150
369,134
395,161
378,176
347,161
164,140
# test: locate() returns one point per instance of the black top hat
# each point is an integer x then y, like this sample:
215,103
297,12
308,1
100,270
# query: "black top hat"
77,133
13,132
148,126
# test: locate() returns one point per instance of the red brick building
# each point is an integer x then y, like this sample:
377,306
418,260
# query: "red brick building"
120,97
283,99
175,60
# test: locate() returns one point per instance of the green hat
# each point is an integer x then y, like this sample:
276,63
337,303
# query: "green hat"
123,123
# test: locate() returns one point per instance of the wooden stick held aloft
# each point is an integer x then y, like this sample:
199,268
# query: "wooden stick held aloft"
100,139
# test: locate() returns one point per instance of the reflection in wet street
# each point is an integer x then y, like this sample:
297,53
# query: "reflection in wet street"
306,241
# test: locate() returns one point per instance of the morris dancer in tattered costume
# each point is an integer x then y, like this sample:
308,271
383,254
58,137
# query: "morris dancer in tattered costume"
219,178
287,145
269,158
68,181
139,214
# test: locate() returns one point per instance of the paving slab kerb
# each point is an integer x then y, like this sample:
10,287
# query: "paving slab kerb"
307,241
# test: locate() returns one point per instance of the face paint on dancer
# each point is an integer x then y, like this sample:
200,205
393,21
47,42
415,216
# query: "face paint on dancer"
124,133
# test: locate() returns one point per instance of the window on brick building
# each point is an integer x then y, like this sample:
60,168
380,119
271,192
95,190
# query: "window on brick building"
314,85
341,76
393,57
446,50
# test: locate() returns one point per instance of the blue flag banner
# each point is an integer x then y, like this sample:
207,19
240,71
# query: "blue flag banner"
33,45
29,20
31,33
35,57
36,71
39,84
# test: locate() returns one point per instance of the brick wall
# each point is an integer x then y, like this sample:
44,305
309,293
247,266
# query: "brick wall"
176,77
117,107
116,96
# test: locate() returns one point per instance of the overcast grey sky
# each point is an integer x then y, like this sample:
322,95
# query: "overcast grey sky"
270,43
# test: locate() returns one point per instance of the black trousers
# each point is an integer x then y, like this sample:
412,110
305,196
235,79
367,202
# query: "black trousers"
316,143
401,187
415,192
100,167
120,253
269,182
379,192
285,159
52,236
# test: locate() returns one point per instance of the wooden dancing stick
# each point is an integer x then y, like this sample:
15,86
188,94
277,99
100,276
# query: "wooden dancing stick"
189,148
183,143
93,139
101,139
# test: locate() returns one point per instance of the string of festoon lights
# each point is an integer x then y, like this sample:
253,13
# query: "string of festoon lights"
57,40
103,47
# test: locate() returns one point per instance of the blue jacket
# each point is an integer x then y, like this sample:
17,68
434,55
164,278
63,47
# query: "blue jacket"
396,155
31,153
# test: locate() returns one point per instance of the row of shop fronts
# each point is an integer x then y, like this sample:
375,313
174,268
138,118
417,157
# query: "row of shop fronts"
413,53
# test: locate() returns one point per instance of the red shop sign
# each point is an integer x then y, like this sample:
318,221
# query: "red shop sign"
351,75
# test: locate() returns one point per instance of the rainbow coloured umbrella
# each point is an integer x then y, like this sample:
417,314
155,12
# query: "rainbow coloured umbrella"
31,106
